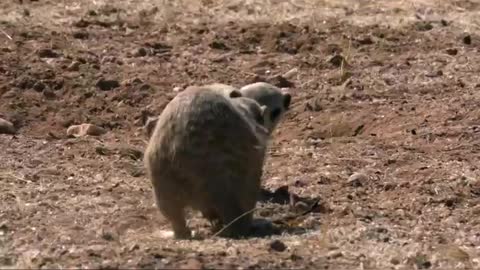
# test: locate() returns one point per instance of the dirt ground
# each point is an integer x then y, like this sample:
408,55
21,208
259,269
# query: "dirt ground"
383,132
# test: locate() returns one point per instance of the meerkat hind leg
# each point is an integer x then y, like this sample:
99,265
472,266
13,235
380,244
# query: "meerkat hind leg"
174,212
178,221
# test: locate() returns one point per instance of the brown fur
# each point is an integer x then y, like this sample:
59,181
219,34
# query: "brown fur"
273,101
206,154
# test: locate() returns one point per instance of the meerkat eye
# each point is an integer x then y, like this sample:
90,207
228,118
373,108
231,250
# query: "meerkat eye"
259,119
275,113
235,94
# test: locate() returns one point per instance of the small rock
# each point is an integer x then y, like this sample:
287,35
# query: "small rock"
357,179
424,26
280,82
177,89
6,127
80,35
140,52
334,254
452,51
365,40
105,85
39,86
85,129
219,45
74,66
108,236
467,39
394,261
81,24
337,60
49,94
277,245
435,74
291,73
47,53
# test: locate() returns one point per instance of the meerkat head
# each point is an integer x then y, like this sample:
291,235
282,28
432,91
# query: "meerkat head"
276,100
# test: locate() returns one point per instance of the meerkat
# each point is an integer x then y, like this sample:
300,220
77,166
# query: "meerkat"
206,152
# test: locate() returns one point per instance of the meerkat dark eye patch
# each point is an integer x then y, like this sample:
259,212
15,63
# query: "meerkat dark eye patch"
275,114
235,94
287,98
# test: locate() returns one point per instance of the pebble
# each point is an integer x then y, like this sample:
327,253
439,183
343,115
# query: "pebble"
337,60
357,179
80,35
452,51
6,127
105,85
47,53
281,81
85,129
334,254
278,245
291,73
39,86
74,66
140,52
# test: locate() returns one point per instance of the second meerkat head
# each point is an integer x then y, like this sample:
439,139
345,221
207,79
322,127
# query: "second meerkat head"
276,100
252,109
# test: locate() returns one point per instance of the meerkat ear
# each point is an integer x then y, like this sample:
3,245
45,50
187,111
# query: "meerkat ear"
287,98
150,125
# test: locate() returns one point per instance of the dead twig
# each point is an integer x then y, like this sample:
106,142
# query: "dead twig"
233,221
6,34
